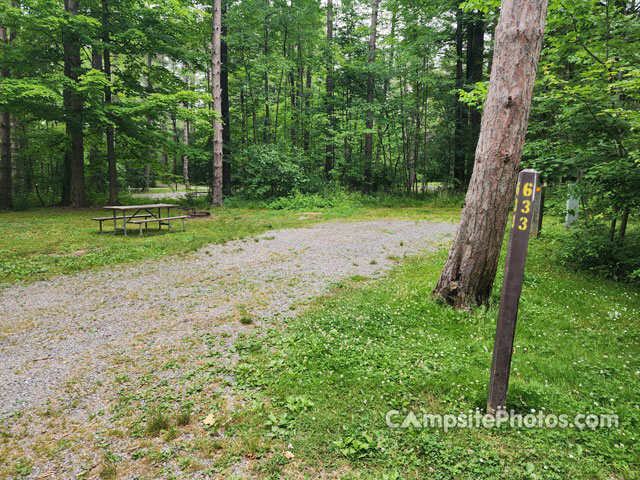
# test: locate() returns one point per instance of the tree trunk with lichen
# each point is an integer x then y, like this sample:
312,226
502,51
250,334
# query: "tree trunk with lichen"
467,277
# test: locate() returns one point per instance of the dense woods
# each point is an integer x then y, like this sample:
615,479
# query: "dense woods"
375,96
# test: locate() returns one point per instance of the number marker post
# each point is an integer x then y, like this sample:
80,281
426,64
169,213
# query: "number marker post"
511,289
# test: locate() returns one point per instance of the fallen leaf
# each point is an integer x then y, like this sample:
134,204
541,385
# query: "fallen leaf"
209,420
289,455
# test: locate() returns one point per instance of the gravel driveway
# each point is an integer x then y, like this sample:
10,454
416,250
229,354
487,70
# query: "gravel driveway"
69,332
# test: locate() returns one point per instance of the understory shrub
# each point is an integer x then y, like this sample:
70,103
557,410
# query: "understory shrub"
586,246
315,201
269,172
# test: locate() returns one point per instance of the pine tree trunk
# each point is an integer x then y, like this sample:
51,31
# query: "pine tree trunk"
96,177
110,130
467,277
475,57
74,120
368,139
267,115
461,110
307,111
174,126
224,86
216,191
6,187
328,159
185,157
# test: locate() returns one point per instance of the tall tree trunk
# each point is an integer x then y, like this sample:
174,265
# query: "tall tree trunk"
468,275
174,126
307,109
368,139
147,166
74,157
461,110
6,187
623,224
110,130
475,52
224,86
185,157
96,177
267,116
328,159
216,89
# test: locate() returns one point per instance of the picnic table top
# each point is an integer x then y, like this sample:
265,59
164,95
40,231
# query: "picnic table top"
123,208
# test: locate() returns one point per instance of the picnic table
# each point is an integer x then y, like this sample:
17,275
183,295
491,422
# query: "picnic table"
142,215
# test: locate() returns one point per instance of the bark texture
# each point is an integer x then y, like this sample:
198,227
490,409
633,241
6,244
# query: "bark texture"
468,275
74,157
6,197
224,85
216,89
111,147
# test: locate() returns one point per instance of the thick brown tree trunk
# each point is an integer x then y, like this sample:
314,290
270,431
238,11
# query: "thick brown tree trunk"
216,89
368,139
74,157
6,187
468,275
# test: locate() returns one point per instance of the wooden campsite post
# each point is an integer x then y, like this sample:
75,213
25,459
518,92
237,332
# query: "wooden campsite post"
511,289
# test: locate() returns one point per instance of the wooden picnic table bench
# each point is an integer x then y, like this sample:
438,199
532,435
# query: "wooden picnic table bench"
147,216
161,221
105,219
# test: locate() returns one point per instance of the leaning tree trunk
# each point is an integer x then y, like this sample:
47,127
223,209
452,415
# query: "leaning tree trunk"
468,275
368,139
6,198
216,90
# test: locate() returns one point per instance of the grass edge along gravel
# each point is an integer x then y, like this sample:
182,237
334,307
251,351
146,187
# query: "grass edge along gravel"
321,389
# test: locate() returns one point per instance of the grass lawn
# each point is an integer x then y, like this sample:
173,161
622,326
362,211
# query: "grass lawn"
37,244
318,394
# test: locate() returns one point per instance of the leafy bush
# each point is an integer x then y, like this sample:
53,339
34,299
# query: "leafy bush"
268,172
587,246
299,201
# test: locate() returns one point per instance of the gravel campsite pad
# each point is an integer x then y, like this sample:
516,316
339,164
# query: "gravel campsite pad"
83,356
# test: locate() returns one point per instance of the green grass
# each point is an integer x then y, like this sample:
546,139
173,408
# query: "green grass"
380,346
37,244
